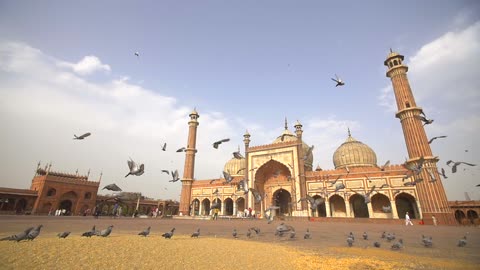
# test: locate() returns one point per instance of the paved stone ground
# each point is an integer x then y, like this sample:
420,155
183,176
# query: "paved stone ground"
324,234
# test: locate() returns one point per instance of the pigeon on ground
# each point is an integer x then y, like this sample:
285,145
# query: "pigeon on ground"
19,236
390,237
134,168
196,234
234,233
365,236
63,234
292,234
427,241
383,235
168,235
282,229
339,81
34,233
350,241
145,232
256,230
462,242
307,235
434,138
351,236
106,232
456,163
81,137
217,143
249,233
376,244
398,245
112,187
90,233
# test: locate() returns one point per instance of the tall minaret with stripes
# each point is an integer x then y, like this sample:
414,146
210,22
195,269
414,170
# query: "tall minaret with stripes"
432,199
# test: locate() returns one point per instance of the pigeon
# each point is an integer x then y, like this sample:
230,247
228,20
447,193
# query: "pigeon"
227,176
387,209
234,233
427,241
249,233
134,168
63,234
434,138
81,137
383,235
385,165
183,149
137,54
166,171
338,81
456,163
175,177
217,143
398,245
390,237
283,228
432,176
309,152
196,234
34,233
350,241
106,232
351,236
216,192
19,236
237,155
376,244
90,233
462,242
307,235
384,186
243,186
424,119
164,147
334,181
314,203
365,236
112,187
256,230
442,173
292,234
168,235
145,232
366,196
415,167
339,186
256,194
215,205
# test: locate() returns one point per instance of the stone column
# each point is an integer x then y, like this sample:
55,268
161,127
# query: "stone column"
235,208
394,209
347,209
200,209
370,210
327,208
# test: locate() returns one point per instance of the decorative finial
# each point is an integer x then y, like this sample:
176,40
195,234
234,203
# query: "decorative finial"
286,125
349,135
101,174
391,50
88,173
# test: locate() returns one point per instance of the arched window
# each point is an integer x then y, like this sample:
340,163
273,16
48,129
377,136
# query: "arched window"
88,196
395,62
51,192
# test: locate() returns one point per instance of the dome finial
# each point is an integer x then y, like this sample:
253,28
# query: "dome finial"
391,51
286,125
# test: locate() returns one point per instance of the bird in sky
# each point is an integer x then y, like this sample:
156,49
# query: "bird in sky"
164,147
81,137
175,176
309,152
112,187
217,143
434,138
442,173
456,163
424,119
137,54
338,80
237,155
181,149
227,176
432,176
166,171
134,168
385,165
314,203
415,167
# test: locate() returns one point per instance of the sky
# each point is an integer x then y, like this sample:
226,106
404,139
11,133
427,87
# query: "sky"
69,68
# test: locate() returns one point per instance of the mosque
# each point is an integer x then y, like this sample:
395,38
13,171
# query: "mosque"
283,174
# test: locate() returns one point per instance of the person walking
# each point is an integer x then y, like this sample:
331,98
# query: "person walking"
434,219
407,220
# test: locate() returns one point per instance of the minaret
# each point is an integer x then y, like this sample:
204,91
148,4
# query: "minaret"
189,168
431,195
246,141
301,164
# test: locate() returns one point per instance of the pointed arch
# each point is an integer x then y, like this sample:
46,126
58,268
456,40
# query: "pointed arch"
337,206
379,201
205,207
406,203
358,206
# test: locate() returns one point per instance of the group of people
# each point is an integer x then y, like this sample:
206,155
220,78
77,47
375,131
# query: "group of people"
59,212
408,221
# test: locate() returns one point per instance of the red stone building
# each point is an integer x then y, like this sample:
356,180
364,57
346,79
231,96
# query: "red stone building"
282,173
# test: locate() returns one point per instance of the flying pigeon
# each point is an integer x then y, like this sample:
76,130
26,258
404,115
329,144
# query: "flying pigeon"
385,165
134,168
384,186
227,176
63,234
168,235
19,236
196,234
249,233
456,163
432,176
334,181
137,54
166,171
442,173
81,137
309,152
339,186
314,203
416,167
424,119
164,147
338,81
217,143
145,232
387,209
256,194
434,138
112,187
183,149
237,155
175,176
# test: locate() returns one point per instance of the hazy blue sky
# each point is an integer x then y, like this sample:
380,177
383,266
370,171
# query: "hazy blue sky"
70,68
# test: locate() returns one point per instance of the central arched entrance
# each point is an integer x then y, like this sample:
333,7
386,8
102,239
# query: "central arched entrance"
359,206
228,207
406,203
283,199
67,205
321,210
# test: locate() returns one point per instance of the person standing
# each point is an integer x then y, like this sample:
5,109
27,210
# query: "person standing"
407,220
434,219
